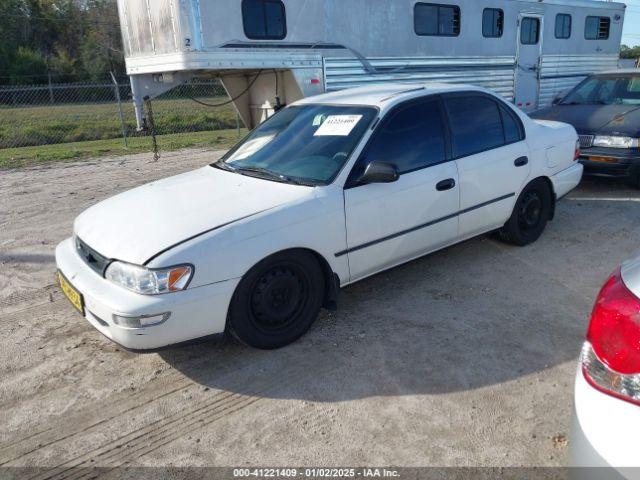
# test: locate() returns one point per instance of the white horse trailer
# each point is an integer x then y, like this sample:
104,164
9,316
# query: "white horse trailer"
272,52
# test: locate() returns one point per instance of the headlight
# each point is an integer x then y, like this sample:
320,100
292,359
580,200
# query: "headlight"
615,142
149,281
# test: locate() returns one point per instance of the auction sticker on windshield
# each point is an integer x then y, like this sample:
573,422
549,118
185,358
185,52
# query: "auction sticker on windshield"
338,125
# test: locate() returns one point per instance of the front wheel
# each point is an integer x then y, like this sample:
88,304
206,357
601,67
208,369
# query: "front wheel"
277,300
530,214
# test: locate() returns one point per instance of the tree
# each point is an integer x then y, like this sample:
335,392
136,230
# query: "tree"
78,38
628,52
26,65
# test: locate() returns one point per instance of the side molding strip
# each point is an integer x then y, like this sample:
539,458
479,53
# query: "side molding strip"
424,225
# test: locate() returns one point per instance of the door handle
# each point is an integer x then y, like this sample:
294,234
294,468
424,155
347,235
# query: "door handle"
521,162
447,184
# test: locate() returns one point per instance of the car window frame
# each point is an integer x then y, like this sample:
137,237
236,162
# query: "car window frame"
500,105
378,124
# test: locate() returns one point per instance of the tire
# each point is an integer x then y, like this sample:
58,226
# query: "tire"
277,300
530,214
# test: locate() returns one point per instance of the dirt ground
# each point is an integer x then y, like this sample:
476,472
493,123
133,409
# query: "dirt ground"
463,358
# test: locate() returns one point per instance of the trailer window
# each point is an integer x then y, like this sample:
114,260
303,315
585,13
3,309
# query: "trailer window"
264,19
436,20
492,22
597,28
563,25
529,31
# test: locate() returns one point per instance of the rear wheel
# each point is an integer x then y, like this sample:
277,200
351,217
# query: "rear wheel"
530,214
277,300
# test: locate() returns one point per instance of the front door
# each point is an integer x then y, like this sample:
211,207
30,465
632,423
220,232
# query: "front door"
528,61
390,223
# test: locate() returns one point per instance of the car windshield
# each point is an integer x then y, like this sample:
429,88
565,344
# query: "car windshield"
305,144
606,90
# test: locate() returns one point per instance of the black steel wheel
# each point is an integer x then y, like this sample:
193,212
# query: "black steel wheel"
277,300
530,211
530,214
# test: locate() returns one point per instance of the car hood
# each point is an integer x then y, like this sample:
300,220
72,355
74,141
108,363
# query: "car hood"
595,119
136,225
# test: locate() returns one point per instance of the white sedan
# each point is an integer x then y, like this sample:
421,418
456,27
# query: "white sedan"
328,191
606,418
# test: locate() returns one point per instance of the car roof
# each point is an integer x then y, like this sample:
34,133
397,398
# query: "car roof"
381,95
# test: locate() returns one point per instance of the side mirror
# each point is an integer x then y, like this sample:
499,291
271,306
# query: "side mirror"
379,172
556,101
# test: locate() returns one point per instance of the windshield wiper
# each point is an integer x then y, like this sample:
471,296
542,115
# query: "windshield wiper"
268,174
262,172
223,166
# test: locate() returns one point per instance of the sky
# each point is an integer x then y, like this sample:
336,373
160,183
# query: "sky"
631,32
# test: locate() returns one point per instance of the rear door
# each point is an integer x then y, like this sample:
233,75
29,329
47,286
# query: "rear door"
389,223
528,61
488,143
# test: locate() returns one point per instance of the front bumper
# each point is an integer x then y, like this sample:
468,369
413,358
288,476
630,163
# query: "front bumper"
603,435
195,312
622,162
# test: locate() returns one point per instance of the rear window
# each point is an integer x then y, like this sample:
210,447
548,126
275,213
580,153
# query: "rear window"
476,123
597,28
436,20
513,131
264,19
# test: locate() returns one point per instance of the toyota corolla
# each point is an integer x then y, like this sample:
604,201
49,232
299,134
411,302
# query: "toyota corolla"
328,191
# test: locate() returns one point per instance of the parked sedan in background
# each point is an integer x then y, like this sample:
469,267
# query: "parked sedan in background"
605,111
607,388
328,191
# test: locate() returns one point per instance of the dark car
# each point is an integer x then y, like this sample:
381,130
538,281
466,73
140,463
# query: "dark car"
605,111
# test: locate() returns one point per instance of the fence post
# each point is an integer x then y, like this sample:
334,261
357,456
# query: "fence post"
51,99
122,125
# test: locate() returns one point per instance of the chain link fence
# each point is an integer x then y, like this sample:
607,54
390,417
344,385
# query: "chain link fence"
72,113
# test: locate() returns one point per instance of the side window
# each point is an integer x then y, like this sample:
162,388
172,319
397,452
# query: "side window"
529,31
476,124
412,138
513,131
492,22
597,28
264,19
563,25
436,20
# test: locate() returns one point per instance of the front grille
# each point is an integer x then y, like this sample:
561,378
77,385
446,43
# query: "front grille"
92,258
586,141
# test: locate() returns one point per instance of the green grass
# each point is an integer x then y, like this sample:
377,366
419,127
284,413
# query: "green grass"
27,156
52,124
